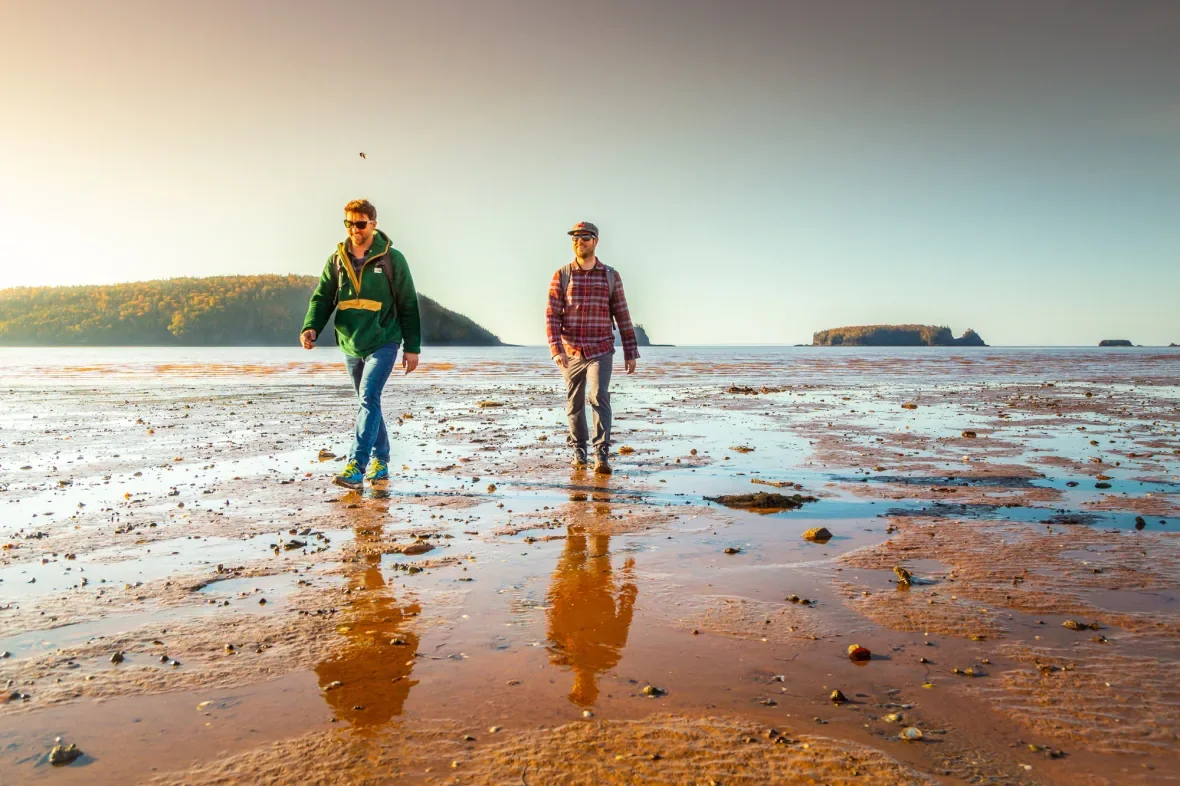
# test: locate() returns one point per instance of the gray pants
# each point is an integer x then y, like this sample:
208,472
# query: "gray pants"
593,375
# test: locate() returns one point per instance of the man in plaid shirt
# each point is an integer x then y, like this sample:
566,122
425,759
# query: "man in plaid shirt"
584,296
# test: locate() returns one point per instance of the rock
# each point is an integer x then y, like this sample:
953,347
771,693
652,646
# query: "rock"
626,450
494,729
741,449
838,698
904,577
969,435
1140,522
333,685
1115,342
491,488
732,550
653,691
63,754
487,404
1075,625
1101,485
818,535
857,652
293,544
418,547
587,714
325,455
762,501
117,657
911,734
909,405
893,717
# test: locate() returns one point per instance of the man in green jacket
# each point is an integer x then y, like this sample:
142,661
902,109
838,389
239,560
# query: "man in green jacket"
367,283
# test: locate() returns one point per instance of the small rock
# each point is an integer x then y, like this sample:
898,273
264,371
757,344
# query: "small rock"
494,729
732,550
911,734
117,657
857,652
817,535
1075,625
63,754
909,405
904,577
838,698
333,685
969,435
653,691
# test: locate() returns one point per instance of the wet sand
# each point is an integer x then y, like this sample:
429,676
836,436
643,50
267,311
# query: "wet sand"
490,615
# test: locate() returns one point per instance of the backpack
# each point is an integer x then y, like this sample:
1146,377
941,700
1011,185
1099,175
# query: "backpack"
568,270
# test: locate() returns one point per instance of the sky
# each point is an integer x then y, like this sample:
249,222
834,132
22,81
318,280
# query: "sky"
758,170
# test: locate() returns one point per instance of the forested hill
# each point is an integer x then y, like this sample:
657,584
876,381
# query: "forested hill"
216,311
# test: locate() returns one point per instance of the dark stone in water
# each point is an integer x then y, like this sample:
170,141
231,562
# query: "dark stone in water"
763,501
1102,485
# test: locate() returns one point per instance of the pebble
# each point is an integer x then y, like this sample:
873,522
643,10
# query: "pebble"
911,734
63,754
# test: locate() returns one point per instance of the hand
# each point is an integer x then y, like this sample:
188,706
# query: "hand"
307,339
409,361
629,365
561,360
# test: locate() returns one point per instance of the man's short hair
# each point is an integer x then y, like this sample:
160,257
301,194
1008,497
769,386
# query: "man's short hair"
362,206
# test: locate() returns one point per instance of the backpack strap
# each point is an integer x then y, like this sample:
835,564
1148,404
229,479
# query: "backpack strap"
566,272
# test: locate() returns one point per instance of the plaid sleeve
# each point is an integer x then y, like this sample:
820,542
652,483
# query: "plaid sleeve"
618,308
554,313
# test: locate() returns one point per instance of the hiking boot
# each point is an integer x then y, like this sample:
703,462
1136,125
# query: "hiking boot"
601,465
378,470
350,477
579,458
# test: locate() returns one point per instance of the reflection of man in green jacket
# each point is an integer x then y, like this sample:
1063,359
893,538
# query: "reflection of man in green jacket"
589,617
367,283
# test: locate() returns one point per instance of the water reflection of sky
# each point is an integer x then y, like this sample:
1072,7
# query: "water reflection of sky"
737,365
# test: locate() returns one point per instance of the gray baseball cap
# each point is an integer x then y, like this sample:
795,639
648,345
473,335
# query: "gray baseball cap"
584,228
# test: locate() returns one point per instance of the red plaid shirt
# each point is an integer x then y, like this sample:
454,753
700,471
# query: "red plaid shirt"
578,321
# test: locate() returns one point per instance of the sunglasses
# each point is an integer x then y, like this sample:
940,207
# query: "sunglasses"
583,237
358,224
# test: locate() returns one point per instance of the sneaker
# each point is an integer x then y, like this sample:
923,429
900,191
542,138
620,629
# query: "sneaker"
601,465
350,477
579,458
378,470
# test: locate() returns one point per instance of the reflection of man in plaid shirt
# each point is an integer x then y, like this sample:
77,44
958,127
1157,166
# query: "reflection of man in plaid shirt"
584,296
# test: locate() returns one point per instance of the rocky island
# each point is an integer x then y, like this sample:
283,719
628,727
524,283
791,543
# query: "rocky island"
895,336
1115,342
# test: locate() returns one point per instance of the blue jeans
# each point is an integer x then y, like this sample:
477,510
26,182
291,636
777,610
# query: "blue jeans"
369,376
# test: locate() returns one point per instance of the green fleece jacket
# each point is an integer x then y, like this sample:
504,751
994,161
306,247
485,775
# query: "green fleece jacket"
369,315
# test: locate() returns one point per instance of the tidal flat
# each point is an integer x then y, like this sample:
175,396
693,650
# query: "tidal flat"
186,597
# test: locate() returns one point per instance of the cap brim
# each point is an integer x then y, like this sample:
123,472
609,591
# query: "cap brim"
582,232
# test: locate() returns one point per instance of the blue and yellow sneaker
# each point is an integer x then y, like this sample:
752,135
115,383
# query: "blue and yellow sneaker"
350,477
378,470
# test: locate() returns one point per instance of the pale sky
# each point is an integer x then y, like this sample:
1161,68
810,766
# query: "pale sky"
759,170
